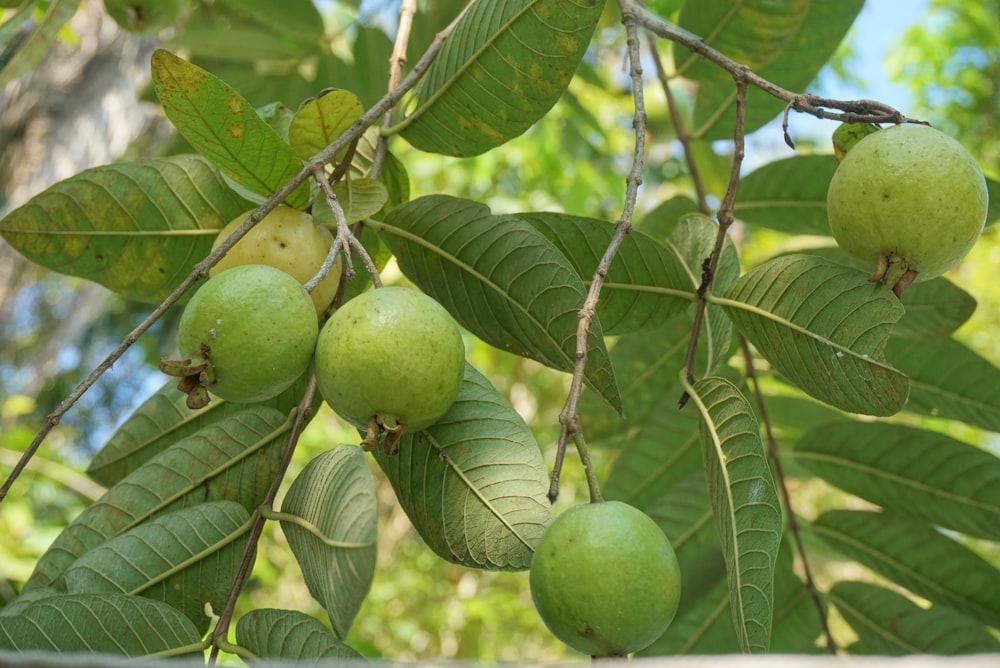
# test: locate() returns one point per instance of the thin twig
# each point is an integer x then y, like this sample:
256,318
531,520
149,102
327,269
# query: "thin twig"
397,61
725,218
344,239
793,523
302,416
201,269
569,417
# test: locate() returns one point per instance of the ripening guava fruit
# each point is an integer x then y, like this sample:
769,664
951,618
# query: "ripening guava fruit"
144,16
289,240
246,335
605,579
390,355
910,200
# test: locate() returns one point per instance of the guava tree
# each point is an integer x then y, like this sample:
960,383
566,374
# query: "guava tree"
720,378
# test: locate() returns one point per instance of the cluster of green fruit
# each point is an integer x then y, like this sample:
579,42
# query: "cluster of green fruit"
391,358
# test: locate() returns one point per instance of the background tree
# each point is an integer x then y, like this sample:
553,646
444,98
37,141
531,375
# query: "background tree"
770,402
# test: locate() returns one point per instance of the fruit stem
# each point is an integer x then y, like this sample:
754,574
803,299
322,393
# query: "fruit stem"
592,485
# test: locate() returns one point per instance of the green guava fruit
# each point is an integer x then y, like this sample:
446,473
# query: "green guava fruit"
605,579
392,356
289,240
144,16
246,335
910,200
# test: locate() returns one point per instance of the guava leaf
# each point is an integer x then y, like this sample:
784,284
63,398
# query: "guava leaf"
802,45
221,125
744,503
30,54
333,536
164,419
360,197
788,195
234,459
137,228
98,624
290,635
499,278
893,625
646,285
185,558
504,65
934,308
940,480
824,326
916,556
321,120
474,484
949,380
25,598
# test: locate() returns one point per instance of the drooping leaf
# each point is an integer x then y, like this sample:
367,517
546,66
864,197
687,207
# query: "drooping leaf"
29,55
797,624
947,379
892,624
909,471
501,279
646,285
824,327
137,228
333,537
788,195
934,308
916,556
289,635
26,598
798,53
321,120
185,558
503,66
474,484
744,503
233,459
225,128
98,624
164,419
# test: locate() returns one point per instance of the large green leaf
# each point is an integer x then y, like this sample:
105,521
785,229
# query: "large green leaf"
909,471
164,419
892,624
98,624
949,380
786,41
29,54
333,532
234,459
225,128
501,279
918,557
788,195
501,69
824,327
185,558
290,635
647,283
744,503
134,227
474,484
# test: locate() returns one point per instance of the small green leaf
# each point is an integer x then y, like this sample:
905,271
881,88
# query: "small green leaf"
916,556
474,484
225,128
503,66
233,459
360,197
788,195
186,559
98,624
940,480
500,279
949,380
289,635
136,228
321,120
892,624
744,503
332,530
824,326
30,54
